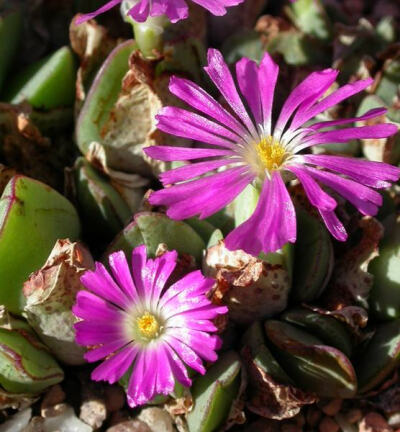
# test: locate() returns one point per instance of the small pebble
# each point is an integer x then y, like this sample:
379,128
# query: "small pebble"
35,425
130,426
328,425
17,422
54,411
394,420
332,407
374,422
157,419
93,413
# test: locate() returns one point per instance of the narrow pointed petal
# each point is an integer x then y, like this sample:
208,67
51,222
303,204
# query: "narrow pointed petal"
109,5
370,173
272,224
221,76
317,196
168,153
334,225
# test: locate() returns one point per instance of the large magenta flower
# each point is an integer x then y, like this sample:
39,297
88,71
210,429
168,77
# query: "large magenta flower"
252,149
135,322
175,10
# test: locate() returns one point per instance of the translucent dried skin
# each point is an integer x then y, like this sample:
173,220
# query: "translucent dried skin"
251,288
270,398
50,294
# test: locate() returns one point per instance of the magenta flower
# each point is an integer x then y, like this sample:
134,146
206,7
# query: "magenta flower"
175,10
252,148
134,321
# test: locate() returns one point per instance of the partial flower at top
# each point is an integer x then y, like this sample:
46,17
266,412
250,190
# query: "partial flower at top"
137,324
252,149
175,10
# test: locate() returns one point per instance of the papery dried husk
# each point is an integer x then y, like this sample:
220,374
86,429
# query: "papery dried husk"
92,43
50,294
350,282
250,287
272,399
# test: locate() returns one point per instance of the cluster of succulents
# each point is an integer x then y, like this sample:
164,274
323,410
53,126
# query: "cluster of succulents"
311,339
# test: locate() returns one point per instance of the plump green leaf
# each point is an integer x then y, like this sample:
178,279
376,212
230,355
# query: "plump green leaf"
313,258
102,96
381,356
32,217
101,207
328,329
384,299
312,365
47,84
152,229
310,17
25,363
214,393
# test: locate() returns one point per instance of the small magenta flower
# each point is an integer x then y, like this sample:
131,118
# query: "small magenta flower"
133,321
175,10
253,149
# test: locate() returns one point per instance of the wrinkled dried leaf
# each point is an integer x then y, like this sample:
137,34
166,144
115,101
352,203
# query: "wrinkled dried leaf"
50,293
351,282
92,44
252,288
268,397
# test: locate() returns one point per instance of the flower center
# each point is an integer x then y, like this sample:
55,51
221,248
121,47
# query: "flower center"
148,325
270,152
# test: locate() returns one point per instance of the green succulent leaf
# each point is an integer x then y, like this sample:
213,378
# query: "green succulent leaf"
32,217
25,363
381,356
152,229
328,329
102,96
313,366
214,393
46,84
313,258
310,17
101,206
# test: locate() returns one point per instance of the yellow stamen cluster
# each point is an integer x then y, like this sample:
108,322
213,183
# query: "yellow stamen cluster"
148,325
271,153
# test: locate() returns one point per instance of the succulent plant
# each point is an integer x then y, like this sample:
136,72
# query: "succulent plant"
27,367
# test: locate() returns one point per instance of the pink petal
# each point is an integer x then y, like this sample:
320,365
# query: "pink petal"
199,99
105,350
363,198
368,115
109,5
219,73
267,77
309,90
272,224
369,173
186,354
196,127
317,196
122,274
112,369
190,171
333,99
334,225
170,153
139,262
90,307
101,283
